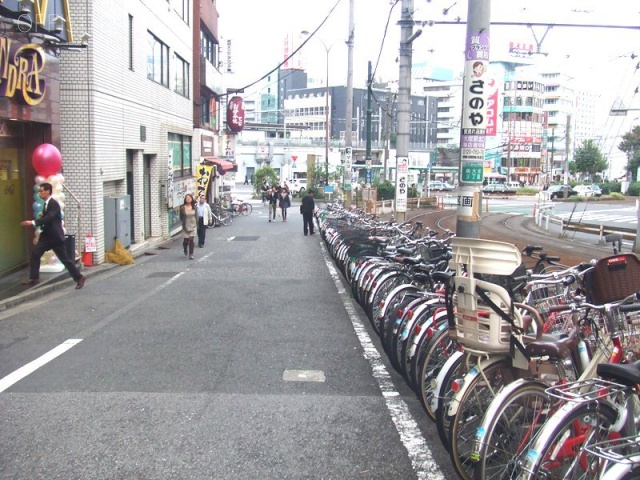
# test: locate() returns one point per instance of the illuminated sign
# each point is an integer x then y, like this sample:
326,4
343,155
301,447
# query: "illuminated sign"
20,70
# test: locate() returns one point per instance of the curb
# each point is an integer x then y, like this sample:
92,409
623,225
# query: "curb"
63,280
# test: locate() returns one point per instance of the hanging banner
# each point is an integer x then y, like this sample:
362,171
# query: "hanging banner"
203,177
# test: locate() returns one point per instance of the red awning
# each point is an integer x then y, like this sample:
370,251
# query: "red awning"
224,164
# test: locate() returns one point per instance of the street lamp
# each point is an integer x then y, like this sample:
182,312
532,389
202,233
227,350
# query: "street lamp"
326,108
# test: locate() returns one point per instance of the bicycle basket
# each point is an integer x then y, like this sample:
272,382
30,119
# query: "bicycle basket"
613,278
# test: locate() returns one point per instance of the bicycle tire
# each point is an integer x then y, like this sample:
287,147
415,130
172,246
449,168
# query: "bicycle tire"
508,428
470,413
437,352
246,208
226,219
551,440
456,370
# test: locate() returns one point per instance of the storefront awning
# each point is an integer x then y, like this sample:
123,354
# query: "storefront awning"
223,164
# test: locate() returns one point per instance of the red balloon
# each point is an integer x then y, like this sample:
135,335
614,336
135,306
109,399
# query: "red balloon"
46,159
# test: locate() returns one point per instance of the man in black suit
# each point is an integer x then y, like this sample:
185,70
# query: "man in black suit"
51,238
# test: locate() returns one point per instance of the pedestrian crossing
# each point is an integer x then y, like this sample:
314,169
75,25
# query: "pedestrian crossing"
620,215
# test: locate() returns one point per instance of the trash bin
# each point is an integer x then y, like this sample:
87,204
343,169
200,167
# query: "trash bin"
70,246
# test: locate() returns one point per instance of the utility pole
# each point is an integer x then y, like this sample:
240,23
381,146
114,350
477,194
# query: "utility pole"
387,136
369,113
349,101
474,118
407,36
367,156
567,144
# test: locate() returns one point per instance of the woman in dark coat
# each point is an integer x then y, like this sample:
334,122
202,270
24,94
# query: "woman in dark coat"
284,200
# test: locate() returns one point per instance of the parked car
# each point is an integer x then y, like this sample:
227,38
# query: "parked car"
498,189
298,185
439,186
587,191
558,191
514,185
596,188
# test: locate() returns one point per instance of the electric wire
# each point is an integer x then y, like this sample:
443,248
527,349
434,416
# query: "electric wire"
309,37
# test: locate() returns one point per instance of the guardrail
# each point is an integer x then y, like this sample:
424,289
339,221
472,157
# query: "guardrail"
544,216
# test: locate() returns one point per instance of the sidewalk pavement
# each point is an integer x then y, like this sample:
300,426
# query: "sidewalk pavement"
13,293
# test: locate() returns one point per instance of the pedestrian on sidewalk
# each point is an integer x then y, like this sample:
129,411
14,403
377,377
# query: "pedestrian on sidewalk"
51,238
204,218
272,198
246,179
265,191
284,201
189,219
306,209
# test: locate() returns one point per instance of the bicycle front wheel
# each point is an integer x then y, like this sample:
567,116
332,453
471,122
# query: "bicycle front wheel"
246,209
226,219
509,426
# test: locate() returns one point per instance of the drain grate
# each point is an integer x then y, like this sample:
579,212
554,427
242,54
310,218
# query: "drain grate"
245,239
162,274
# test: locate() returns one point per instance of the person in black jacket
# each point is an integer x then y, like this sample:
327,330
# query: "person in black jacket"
51,238
306,209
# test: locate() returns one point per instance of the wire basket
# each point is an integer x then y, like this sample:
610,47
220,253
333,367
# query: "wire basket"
626,326
543,296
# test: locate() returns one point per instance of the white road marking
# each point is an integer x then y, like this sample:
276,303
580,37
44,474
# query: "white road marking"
419,453
31,367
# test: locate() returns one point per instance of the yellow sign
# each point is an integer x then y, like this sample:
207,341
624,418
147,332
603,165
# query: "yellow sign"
203,177
20,70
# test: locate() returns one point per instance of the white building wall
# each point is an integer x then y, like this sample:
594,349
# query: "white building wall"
104,103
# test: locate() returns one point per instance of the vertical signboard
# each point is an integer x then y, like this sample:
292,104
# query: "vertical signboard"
347,168
474,108
402,171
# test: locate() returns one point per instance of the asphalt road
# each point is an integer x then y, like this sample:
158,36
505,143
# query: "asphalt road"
250,361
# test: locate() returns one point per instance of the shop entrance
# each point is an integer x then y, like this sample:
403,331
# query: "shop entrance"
13,243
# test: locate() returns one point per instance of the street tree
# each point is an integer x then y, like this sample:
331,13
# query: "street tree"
265,172
630,145
588,159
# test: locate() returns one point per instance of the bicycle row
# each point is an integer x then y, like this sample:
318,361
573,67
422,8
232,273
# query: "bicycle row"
486,343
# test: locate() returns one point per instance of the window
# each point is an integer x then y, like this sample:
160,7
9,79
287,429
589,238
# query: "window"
208,47
208,111
182,76
158,61
130,42
180,151
182,8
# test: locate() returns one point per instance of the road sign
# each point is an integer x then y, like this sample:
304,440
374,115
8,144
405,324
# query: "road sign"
472,172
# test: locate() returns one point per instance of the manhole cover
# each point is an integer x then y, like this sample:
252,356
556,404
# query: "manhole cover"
245,239
162,275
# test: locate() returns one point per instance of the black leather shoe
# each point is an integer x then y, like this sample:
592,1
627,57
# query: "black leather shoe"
30,281
80,283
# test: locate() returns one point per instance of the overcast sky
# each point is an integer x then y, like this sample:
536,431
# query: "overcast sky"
601,59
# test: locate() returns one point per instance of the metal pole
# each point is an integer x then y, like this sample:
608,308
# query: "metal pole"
474,119
367,154
404,91
349,103
326,121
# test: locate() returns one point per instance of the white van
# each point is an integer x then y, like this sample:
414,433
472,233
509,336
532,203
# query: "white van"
515,185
